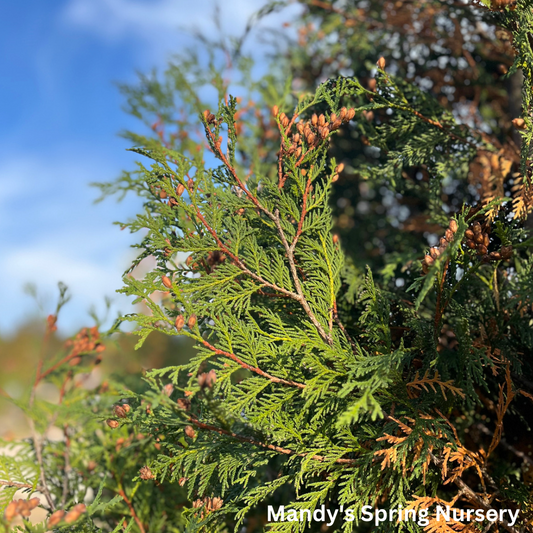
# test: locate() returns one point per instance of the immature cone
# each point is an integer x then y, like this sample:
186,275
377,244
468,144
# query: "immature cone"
180,189
113,424
189,431
453,225
192,321
168,389
434,252
381,63
180,322
166,282
335,238
342,113
55,518
75,361
275,111
207,379
519,123
351,114
75,513
183,403
507,252
119,411
182,481
145,473
11,510
126,408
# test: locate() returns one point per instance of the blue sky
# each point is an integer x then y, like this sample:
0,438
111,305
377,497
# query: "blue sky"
60,115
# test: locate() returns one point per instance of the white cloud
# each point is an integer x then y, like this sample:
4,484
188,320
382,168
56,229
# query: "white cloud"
50,232
150,20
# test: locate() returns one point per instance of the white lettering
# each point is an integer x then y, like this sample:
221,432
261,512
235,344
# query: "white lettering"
492,515
302,512
276,517
380,516
445,515
332,517
423,514
513,519
480,515
349,515
322,512
366,515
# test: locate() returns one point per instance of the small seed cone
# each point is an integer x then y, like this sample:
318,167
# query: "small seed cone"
192,321
381,63
145,473
113,424
166,282
168,389
180,322
55,518
11,511
119,411
519,123
275,111
189,431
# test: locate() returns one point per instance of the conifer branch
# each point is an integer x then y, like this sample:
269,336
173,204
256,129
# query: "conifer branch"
18,485
131,508
257,370
233,172
279,449
240,264
301,297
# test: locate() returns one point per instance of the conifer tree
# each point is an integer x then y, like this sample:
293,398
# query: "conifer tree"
385,373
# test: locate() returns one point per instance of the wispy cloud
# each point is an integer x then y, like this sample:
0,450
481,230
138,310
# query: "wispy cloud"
152,20
55,234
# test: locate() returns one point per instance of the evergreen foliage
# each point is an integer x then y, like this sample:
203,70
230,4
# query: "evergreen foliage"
386,372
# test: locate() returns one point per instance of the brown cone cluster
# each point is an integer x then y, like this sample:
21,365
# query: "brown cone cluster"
211,504
20,508
209,117
477,238
314,131
184,403
145,473
207,379
70,517
436,251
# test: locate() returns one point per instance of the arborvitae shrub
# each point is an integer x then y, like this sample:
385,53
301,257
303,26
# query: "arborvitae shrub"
407,384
